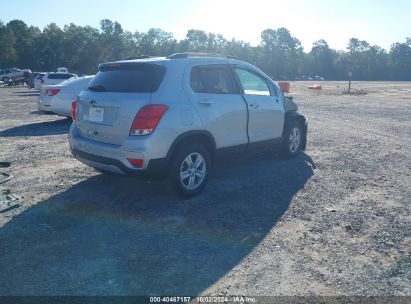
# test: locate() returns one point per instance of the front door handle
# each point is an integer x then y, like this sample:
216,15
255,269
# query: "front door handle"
254,105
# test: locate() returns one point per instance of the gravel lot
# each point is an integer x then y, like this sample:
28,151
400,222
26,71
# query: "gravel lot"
333,221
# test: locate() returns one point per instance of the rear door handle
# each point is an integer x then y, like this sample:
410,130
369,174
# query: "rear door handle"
206,102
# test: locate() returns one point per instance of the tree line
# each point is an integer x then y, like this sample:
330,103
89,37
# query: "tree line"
280,55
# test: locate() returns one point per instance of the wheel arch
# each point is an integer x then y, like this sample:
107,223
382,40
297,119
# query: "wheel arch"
294,115
201,136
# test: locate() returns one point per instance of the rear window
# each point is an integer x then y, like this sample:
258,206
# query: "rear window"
212,79
128,78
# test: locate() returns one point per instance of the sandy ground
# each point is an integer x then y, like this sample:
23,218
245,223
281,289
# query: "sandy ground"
333,221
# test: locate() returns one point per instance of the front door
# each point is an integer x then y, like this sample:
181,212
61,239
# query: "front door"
266,110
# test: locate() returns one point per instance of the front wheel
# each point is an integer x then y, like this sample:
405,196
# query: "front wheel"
189,169
292,140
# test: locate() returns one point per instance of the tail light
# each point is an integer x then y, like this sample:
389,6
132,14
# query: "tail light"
136,162
73,109
52,92
147,118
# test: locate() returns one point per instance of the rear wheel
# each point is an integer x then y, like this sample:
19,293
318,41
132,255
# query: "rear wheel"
293,139
189,169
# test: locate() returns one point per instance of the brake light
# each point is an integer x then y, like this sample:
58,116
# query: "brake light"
147,119
73,109
138,163
52,92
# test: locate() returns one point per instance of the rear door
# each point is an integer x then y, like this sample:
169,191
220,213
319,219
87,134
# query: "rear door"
266,110
213,92
106,110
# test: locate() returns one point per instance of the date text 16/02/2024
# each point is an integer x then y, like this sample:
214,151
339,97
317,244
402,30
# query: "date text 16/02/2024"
203,299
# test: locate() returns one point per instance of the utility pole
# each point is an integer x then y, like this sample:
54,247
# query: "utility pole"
349,82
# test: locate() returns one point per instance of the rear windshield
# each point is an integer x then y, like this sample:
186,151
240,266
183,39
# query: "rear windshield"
60,76
128,78
72,80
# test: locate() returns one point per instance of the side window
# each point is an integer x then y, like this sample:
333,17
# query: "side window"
252,83
211,80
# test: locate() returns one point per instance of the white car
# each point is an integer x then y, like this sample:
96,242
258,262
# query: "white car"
58,98
51,78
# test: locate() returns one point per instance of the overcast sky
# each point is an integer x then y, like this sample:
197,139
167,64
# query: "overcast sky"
379,22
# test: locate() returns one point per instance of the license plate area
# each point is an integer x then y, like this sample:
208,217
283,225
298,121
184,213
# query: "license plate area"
96,114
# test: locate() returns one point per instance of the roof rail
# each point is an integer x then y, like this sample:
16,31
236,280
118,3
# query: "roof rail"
194,54
138,57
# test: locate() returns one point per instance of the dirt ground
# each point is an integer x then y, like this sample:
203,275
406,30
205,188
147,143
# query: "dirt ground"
333,221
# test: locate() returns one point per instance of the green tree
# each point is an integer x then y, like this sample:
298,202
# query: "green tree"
282,53
23,42
82,50
8,56
195,41
49,49
157,42
400,60
112,42
322,60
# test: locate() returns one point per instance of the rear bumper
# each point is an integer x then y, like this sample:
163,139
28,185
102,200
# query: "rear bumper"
44,103
59,104
113,158
157,168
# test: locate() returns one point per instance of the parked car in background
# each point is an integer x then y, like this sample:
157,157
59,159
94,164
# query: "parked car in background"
32,77
172,117
319,78
58,98
37,81
304,78
62,70
13,74
51,78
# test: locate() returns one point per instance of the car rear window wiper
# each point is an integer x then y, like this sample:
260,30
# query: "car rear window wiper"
97,88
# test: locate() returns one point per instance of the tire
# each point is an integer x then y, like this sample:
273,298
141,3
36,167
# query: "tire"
5,79
189,169
292,140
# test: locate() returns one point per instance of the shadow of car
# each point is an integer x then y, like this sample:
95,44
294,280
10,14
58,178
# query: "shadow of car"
55,127
121,236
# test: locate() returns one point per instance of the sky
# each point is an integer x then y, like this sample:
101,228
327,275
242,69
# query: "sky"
379,22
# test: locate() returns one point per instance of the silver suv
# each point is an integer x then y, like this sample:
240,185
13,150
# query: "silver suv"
173,116
13,74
